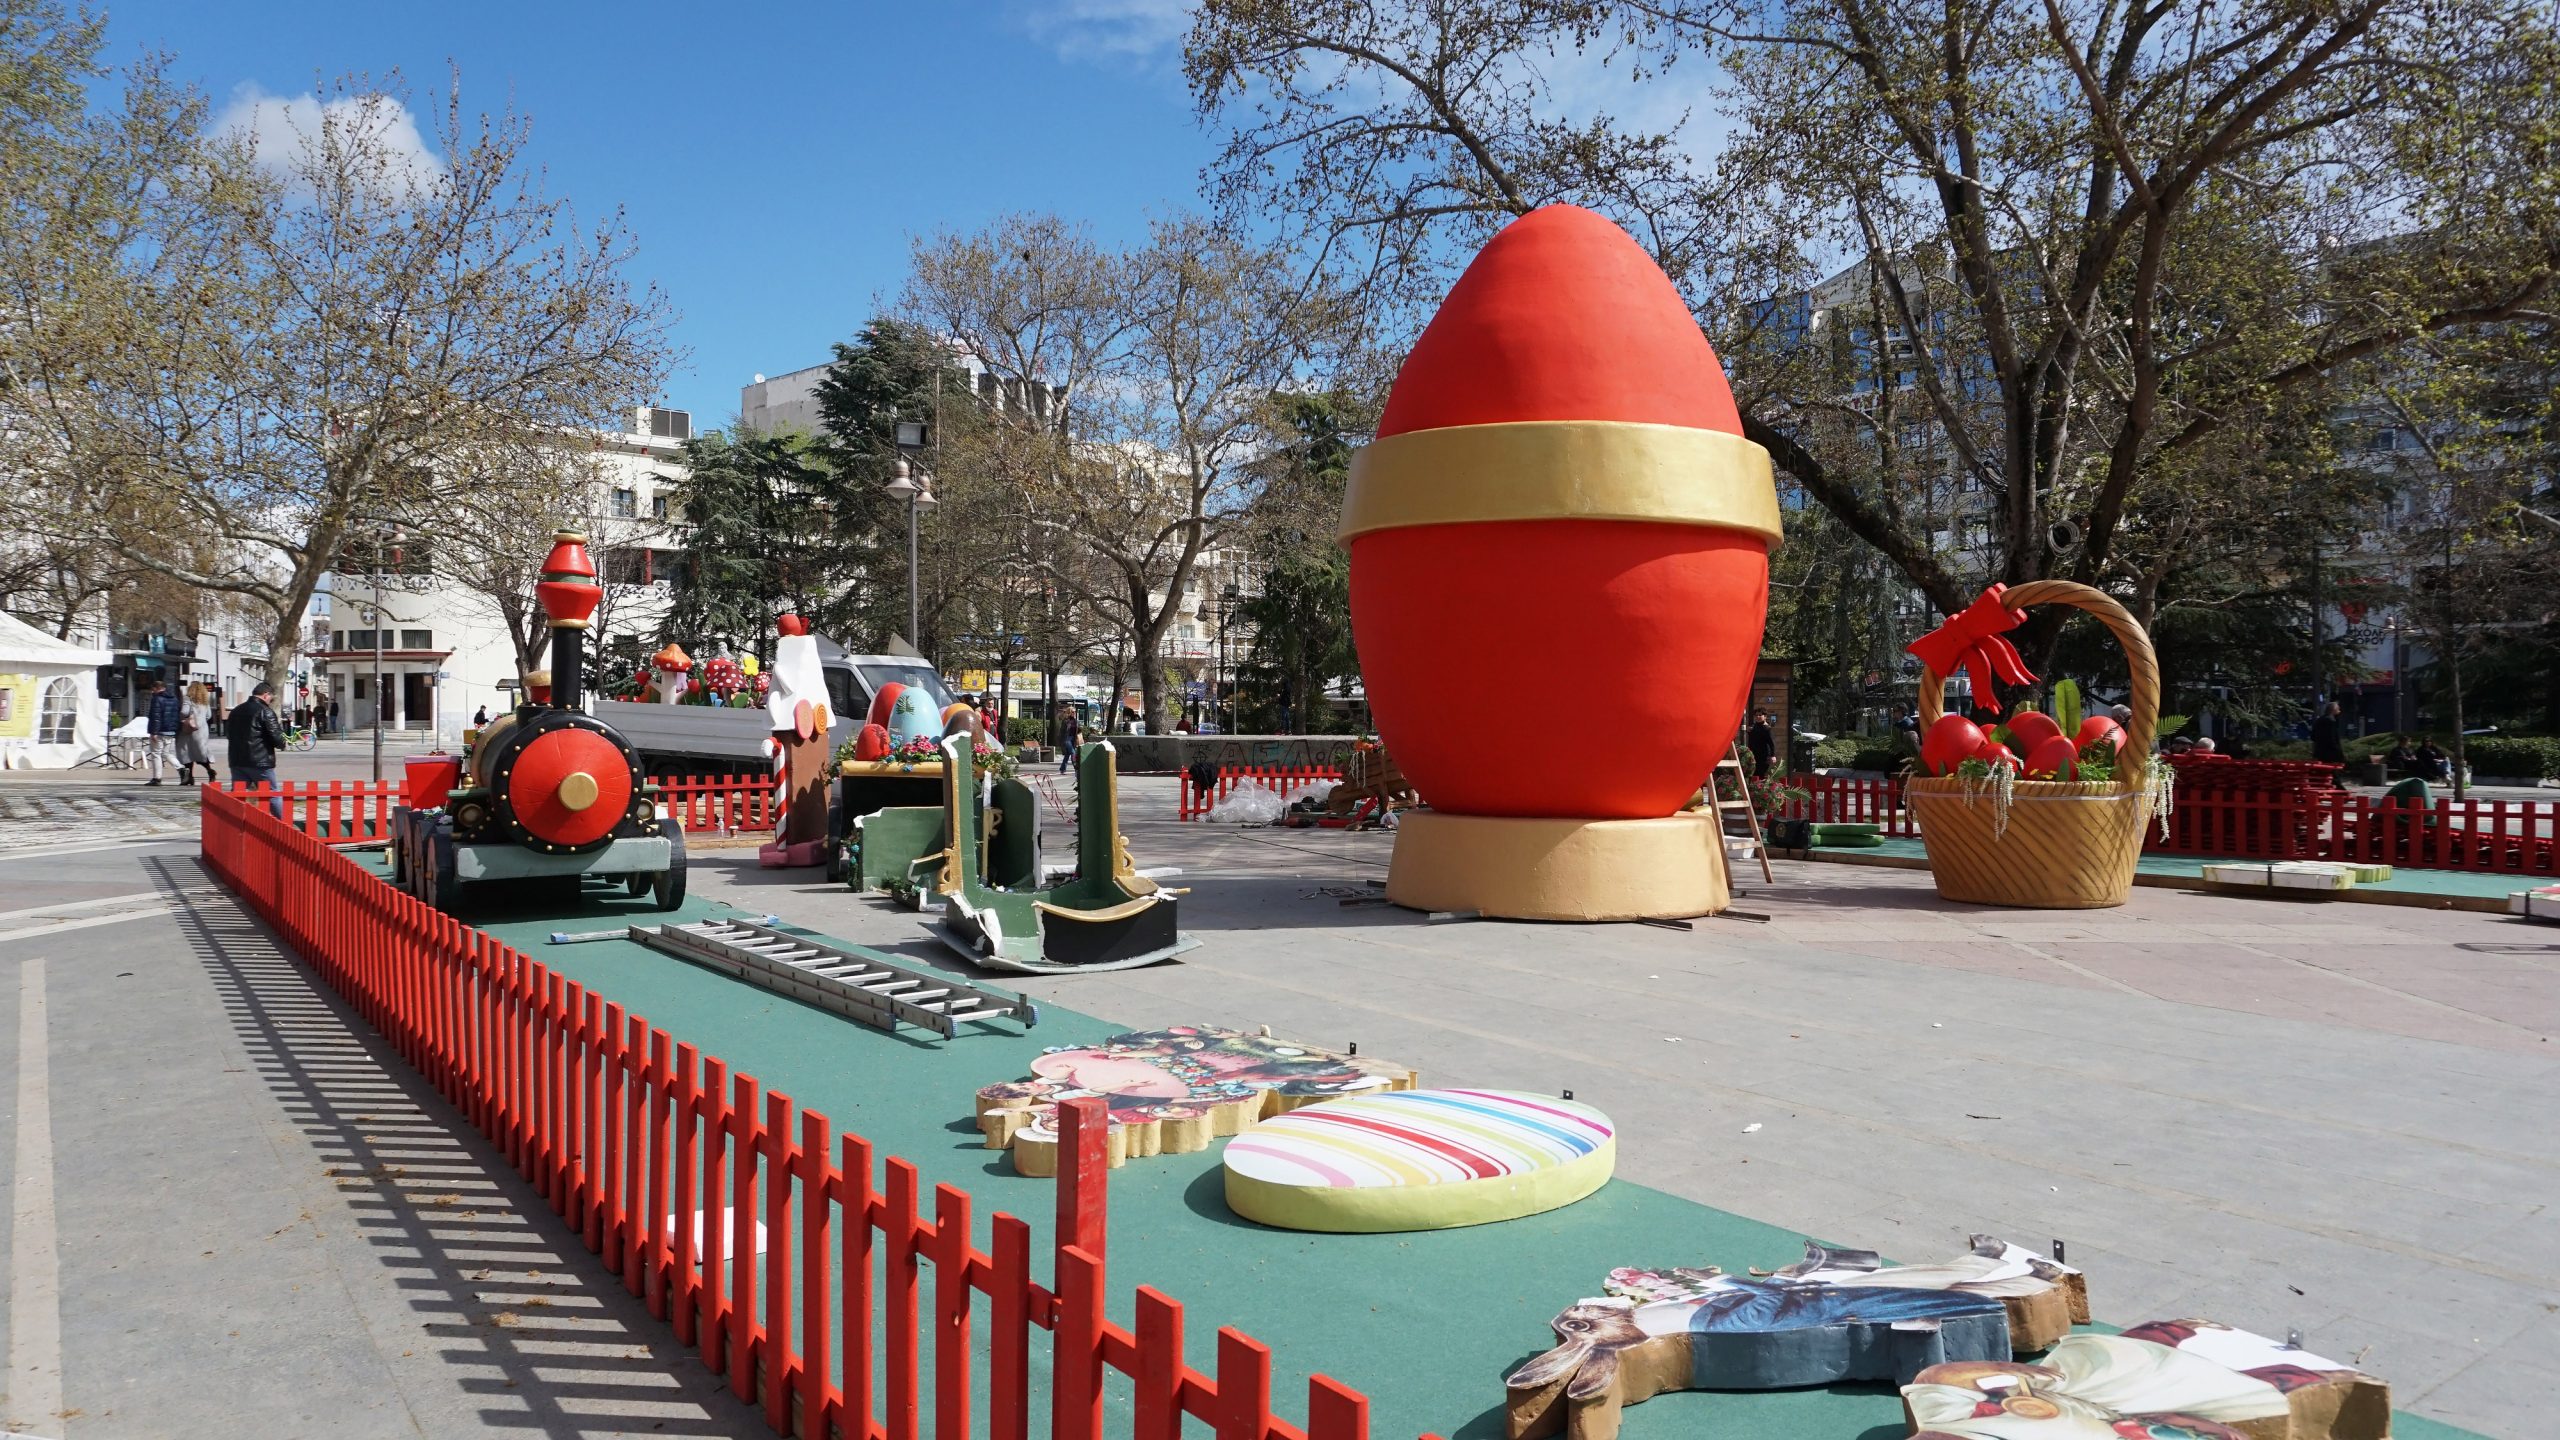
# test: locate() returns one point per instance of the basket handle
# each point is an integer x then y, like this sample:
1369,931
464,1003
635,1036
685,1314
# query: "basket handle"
2139,660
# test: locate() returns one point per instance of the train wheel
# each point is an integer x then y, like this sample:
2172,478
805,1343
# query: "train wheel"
439,884
669,887
638,883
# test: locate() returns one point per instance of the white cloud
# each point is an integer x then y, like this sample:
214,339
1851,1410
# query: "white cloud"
284,128
1141,31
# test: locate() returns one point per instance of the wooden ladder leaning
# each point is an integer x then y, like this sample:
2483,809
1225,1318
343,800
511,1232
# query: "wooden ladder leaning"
1735,761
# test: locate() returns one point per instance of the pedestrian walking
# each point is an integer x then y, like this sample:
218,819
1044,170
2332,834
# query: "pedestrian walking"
2327,744
194,726
1070,732
166,713
256,736
1762,742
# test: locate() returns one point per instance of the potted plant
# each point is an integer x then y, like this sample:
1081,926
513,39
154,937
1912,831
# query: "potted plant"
1770,799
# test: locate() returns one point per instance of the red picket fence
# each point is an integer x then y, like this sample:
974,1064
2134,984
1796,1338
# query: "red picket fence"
2505,837
2501,837
1197,801
635,1139
338,810
1843,800
727,803
344,810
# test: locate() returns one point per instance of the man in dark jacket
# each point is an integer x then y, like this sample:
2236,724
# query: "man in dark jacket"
256,736
1762,741
166,717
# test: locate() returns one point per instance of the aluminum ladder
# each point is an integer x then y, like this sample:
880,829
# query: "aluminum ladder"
861,985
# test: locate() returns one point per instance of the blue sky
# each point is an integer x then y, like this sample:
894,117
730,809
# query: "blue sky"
772,159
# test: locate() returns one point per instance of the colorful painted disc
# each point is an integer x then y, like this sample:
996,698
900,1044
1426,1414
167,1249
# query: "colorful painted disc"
1418,1160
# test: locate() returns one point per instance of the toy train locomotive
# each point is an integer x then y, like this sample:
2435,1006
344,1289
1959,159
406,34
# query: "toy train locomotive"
547,790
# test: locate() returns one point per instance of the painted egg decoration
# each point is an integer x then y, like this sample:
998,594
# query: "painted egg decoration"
912,716
1559,483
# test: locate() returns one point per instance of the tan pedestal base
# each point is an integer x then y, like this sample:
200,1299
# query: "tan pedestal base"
1666,869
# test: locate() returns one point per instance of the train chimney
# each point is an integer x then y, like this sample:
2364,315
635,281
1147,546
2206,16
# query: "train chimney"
569,594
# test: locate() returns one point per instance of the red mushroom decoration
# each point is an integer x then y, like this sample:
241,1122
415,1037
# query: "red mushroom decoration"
722,677
1560,473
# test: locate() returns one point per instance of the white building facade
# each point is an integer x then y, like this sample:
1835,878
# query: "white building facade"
445,652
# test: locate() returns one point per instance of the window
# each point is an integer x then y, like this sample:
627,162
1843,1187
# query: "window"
2386,438
338,640
671,424
61,712
417,639
623,505
364,688
626,565
657,507
359,640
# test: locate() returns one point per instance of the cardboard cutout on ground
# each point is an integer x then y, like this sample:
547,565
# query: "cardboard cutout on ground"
1835,1315
1418,1160
2166,1380
1171,1090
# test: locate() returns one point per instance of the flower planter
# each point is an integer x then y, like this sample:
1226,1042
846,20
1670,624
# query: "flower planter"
2055,845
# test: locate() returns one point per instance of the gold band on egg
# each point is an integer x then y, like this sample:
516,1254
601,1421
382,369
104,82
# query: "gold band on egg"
1562,470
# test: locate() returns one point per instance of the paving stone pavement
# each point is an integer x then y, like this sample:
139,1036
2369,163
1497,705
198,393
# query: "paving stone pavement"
2281,1115
32,818
263,1221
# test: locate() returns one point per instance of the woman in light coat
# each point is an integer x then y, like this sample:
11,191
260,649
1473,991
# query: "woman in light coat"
194,725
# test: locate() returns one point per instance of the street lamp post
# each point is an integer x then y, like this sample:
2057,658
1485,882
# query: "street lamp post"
904,485
1227,601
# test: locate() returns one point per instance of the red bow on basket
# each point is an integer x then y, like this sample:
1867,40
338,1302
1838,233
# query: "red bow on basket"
1972,641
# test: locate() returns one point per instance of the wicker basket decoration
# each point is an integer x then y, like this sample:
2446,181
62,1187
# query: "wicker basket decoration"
2053,844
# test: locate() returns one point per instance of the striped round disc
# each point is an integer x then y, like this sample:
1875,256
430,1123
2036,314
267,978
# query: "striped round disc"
1418,1160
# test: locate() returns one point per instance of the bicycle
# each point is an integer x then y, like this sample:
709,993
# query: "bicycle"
298,737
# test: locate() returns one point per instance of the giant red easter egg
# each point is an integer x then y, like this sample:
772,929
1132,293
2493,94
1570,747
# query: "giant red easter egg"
1559,503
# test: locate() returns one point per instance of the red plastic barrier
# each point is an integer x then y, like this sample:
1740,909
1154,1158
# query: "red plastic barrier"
730,804
1849,800
340,810
619,1127
1196,801
2290,811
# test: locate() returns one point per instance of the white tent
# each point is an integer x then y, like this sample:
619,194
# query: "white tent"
50,715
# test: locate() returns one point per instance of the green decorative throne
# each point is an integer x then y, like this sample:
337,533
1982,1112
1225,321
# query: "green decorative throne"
1107,917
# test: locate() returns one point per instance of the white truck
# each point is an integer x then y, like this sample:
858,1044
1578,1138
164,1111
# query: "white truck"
677,741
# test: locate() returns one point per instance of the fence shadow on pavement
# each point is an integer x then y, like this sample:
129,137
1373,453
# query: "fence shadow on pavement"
503,1289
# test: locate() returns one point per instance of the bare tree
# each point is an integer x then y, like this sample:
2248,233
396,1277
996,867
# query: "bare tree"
1147,384
2107,240
329,337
